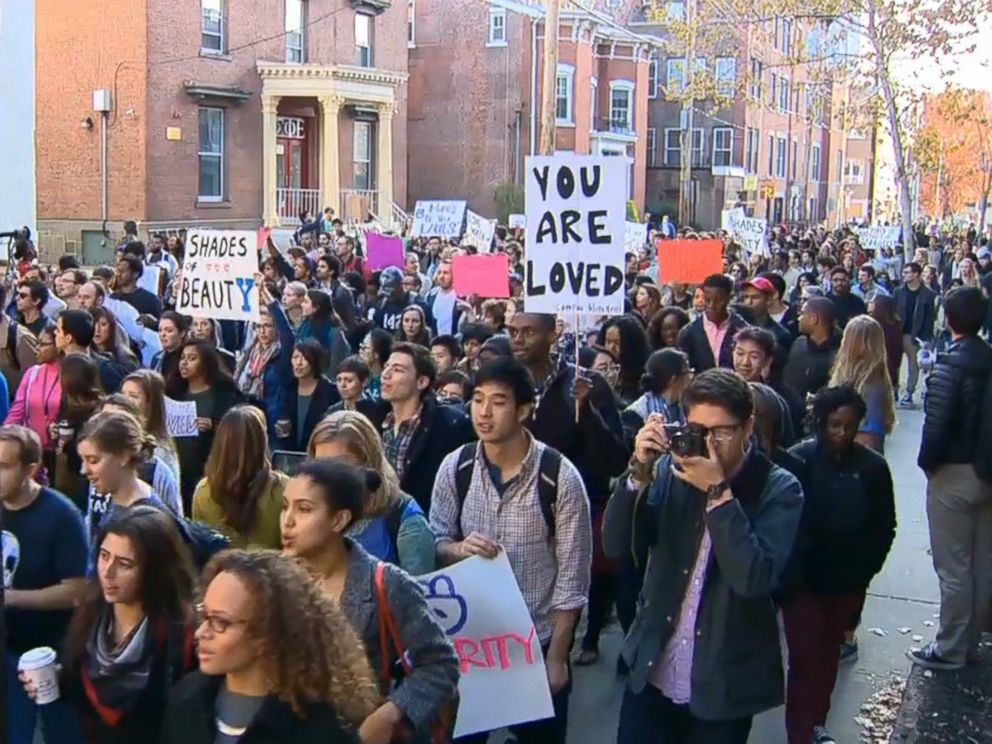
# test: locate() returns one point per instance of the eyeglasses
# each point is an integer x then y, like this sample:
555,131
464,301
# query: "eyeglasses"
217,623
721,434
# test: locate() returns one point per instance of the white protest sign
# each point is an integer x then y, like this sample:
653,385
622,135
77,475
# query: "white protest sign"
878,236
127,316
576,215
441,218
503,678
218,280
516,221
730,218
479,231
150,345
149,279
180,417
750,232
635,236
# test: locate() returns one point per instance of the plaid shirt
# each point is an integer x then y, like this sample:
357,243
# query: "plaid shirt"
396,440
552,574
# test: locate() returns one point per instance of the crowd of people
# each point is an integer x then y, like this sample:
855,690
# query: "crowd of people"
708,465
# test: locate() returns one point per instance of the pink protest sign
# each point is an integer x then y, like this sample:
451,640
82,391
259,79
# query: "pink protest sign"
484,276
263,237
383,251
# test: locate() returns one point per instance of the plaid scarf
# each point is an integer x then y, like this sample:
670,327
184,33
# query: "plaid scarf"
251,380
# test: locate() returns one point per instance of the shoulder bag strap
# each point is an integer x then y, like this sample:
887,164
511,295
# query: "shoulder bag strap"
387,624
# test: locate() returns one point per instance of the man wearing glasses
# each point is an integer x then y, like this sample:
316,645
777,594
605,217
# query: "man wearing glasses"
31,298
719,527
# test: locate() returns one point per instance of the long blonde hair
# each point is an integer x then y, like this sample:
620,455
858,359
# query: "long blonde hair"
860,362
365,445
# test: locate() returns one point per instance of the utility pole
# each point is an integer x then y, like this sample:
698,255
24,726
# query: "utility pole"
688,107
549,97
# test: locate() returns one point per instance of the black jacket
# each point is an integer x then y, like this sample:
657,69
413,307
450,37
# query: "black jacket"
847,307
953,402
189,719
324,396
442,430
693,341
849,518
595,444
924,314
809,364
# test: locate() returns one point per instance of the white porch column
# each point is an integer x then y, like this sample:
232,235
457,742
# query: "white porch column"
270,209
384,162
330,167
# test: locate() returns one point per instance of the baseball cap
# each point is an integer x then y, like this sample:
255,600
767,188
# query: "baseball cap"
761,284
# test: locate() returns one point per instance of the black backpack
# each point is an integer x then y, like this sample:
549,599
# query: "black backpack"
547,481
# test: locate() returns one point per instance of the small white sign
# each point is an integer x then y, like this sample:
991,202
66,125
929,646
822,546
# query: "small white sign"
517,221
180,417
479,231
443,219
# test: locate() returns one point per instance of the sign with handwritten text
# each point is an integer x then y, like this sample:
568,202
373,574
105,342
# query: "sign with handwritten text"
478,231
878,236
180,417
438,218
218,279
503,678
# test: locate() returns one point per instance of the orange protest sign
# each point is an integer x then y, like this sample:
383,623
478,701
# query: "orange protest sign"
689,261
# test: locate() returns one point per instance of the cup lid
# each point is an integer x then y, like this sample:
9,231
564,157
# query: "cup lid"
36,658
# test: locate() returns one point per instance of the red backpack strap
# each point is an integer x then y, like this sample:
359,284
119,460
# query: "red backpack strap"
387,623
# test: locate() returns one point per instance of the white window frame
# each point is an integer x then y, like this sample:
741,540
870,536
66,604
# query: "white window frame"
854,172
781,155
368,157
697,150
411,24
675,10
784,100
593,102
675,70
568,73
497,27
794,158
677,149
219,156
718,134
815,162
726,79
370,20
221,36
786,36
653,71
756,81
626,86
652,146
301,50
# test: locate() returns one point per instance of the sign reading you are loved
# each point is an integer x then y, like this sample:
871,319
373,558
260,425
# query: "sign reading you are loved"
576,227
218,279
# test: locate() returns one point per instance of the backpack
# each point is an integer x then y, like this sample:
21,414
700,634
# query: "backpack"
394,520
547,481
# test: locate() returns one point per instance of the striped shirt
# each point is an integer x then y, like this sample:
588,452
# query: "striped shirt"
552,574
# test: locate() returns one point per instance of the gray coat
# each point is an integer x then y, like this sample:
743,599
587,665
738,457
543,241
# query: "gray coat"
433,679
737,661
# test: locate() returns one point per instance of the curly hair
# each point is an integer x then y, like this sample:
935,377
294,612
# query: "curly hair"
831,399
313,653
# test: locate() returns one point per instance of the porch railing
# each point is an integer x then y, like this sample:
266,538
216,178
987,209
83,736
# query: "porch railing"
293,201
357,203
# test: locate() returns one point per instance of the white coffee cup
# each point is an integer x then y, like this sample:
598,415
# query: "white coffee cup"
38,665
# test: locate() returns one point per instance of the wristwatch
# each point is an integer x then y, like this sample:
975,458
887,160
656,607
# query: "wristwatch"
714,491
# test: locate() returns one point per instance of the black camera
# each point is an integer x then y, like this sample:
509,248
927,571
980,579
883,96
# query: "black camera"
22,233
686,440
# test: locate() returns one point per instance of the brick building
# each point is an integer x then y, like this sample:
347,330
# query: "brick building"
476,71
221,114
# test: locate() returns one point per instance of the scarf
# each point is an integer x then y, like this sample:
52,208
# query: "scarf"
114,679
251,381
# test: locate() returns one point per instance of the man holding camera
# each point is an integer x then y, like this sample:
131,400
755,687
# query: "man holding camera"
718,521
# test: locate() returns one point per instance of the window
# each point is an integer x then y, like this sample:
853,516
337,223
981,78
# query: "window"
794,158
212,26
840,162
621,106
815,165
752,141
497,27
675,74
771,154
593,103
363,39
726,76
754,84
211,154
653,77
673,147
362,157
723,147
780,153
652,145
411,23
854,172
563,94
773,98
785,34
783,95
295,25
698,146
675,10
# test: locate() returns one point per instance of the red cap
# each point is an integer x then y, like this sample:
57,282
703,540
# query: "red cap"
761,284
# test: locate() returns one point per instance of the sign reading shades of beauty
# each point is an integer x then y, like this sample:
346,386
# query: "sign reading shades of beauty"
441,218
576,225
503,678
750,233
218,280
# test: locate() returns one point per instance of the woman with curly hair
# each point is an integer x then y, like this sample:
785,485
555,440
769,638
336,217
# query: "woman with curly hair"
625,338
393,527
320,505
279,663
663,330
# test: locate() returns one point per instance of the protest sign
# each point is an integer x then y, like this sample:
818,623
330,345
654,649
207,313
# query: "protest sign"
383,251
484,276
576,211
635,236
730,219
126,315
218,280
689,261
878,236
503,679
478,231
263,237
150,345
180,417
750,233
517,221
441,218
149,279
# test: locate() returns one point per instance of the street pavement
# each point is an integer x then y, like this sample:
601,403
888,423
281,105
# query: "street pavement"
903,595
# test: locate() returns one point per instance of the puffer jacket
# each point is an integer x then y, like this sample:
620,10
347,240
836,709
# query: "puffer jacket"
953,404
